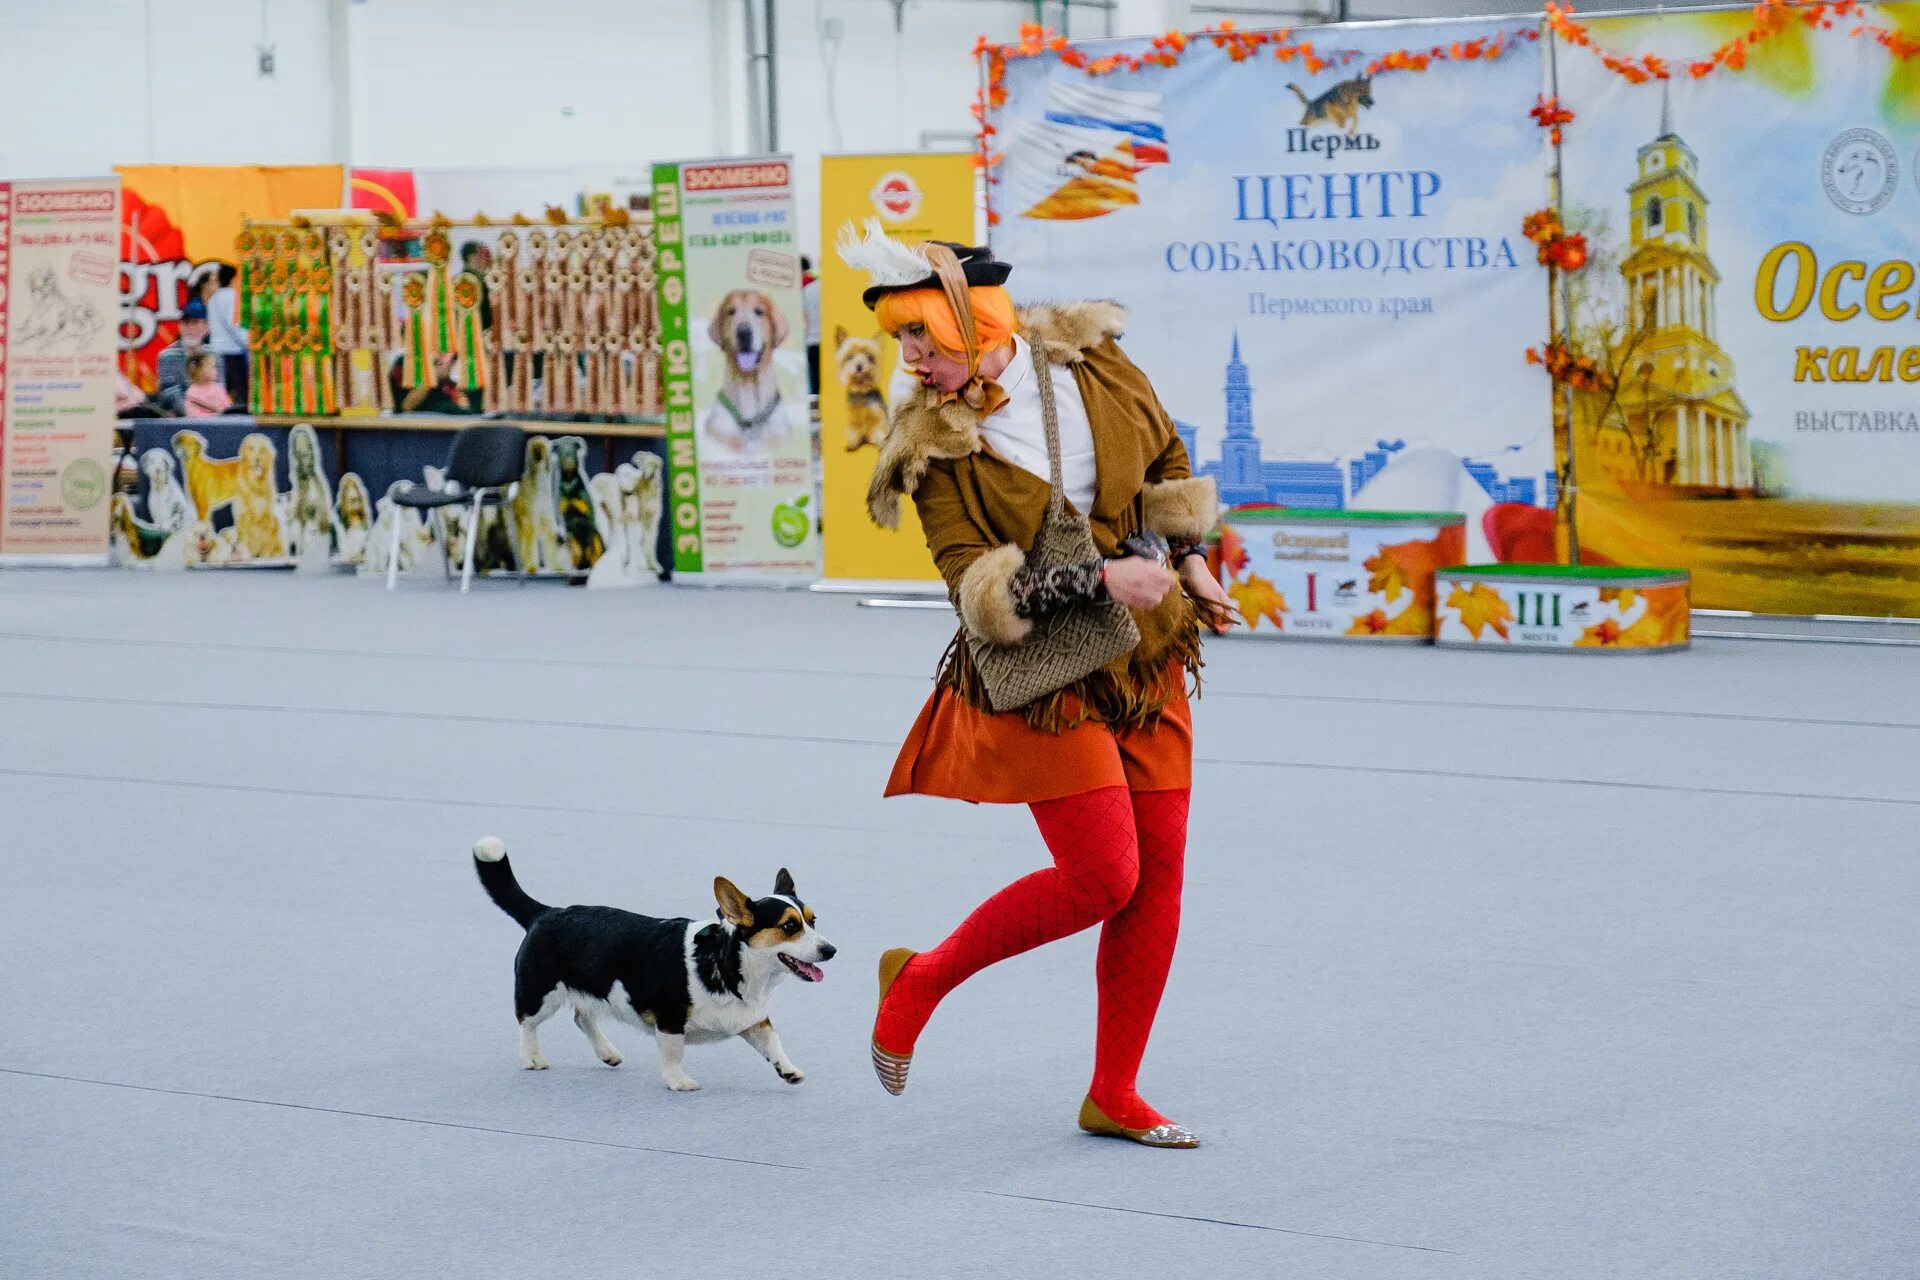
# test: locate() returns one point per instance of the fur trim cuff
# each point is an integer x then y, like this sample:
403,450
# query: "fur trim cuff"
1187,508
985,597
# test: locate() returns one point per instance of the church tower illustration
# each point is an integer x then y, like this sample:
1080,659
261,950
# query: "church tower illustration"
1677,391
1240,469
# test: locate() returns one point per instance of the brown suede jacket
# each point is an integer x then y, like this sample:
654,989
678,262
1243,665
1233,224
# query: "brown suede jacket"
981,513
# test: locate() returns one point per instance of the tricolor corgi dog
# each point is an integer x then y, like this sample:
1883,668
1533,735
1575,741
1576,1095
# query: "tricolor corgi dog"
684,981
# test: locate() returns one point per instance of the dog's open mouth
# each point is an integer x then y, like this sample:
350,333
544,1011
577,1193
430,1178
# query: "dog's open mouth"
801,969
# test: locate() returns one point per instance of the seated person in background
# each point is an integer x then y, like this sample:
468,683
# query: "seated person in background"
129,401
443,395
207,395
172,364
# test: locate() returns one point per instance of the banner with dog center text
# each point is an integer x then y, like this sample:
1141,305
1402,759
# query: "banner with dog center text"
178,226
1320,253
739,437
1751,298
57,300
916,197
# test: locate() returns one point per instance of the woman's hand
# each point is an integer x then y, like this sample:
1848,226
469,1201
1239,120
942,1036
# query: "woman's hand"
1138,583
1216,607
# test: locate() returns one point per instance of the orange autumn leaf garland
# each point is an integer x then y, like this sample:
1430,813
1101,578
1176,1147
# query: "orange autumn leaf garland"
1770,18
1582,373
1551,116
1559,250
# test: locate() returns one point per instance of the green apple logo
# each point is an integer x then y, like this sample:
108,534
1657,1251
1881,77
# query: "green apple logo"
790,522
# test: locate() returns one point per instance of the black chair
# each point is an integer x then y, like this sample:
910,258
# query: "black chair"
483,465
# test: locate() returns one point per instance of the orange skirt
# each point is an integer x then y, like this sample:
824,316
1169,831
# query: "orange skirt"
960,752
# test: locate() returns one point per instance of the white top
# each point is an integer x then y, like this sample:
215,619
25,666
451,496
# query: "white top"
1018,433
810,310
224,334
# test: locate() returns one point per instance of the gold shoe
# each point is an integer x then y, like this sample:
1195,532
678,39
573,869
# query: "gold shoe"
891,1067
1095,1121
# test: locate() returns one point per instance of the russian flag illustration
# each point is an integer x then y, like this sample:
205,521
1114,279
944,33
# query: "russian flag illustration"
1088,106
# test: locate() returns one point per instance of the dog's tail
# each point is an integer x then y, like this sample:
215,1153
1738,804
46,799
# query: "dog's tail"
496,877
1298,93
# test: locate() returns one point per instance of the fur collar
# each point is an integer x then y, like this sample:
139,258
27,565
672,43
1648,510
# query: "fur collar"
920,433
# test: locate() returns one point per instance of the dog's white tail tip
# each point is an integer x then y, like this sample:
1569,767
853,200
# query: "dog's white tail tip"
490,849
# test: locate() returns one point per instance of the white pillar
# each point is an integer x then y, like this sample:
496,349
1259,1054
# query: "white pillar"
1682,454
348,40
1723,445
1703,457
726,78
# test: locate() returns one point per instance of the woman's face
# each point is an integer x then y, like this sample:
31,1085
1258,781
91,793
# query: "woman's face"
934,367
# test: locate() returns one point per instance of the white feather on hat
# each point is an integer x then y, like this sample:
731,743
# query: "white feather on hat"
887,262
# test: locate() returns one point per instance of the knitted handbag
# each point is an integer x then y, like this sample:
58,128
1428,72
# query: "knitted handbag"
1073,642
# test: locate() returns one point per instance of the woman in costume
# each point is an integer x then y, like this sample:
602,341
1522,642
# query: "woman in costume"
1102,752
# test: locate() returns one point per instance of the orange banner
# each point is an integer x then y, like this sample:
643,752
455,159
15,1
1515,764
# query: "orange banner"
178,221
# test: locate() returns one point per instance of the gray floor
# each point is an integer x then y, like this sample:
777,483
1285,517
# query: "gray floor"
1493,966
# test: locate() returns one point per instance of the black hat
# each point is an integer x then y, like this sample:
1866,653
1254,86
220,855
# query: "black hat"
893,267
977,262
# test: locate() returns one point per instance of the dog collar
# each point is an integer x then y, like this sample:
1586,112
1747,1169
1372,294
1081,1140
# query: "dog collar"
745,423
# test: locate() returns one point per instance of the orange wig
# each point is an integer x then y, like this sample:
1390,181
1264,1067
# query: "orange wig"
993,317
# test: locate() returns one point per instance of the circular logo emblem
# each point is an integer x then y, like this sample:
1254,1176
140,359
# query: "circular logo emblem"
1860,171
83,484
790,522
897,197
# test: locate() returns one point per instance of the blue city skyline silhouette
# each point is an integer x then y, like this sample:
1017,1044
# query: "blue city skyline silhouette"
1246,478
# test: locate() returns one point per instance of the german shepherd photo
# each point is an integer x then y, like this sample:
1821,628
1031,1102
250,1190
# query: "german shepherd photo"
1339,106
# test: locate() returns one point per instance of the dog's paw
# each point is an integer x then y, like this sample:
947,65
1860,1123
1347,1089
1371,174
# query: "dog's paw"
537,1062
611,1058
682,1084
790,1073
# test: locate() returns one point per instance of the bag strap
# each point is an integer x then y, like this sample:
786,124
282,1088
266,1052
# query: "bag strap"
1050,417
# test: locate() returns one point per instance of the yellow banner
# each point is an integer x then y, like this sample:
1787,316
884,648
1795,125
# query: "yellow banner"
916,197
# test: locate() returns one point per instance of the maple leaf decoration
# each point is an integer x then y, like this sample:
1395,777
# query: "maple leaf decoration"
1389,576
1257,599
1621,596
1481,607
1233,551
1414,620
1665,621
1371,624
1604,636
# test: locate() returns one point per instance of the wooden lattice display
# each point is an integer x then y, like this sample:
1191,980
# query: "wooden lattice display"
285,290
575,325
